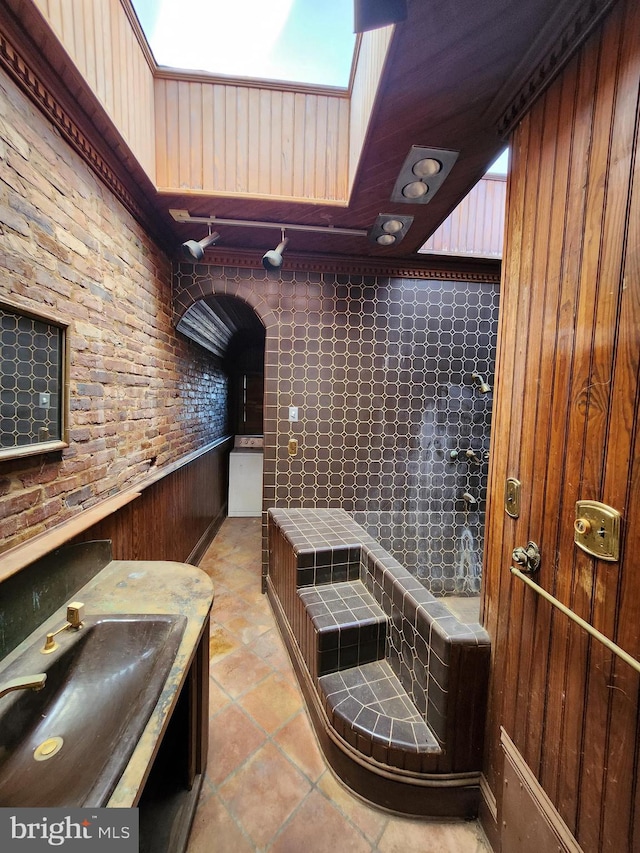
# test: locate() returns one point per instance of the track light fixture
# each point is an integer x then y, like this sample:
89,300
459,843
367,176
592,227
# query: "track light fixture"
273,260
194,250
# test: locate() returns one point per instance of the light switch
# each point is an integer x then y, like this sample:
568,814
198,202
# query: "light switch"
293,413
596,530
44,401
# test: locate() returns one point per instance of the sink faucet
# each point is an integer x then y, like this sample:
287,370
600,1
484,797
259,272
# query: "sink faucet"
26,682
75,612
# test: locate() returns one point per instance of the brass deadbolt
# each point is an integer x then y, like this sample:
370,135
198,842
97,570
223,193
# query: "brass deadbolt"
582,526
596,529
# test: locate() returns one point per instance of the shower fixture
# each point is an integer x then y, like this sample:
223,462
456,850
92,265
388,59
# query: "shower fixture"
469,454
469,499
194,249
483,387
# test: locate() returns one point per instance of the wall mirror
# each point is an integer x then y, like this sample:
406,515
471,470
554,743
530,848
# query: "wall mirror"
33,382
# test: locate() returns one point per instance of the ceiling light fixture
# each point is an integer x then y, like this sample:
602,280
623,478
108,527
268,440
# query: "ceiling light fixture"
273,260
194,249
422,174
389,229
184,216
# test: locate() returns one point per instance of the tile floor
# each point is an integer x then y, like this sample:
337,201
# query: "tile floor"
267,786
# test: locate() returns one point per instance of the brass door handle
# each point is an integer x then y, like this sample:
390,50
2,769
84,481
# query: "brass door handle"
527,558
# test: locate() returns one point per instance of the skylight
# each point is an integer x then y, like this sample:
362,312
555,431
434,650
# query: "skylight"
301,41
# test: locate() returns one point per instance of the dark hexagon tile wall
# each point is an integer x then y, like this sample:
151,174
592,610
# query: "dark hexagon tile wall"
380,370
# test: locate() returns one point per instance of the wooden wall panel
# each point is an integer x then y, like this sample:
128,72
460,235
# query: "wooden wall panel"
108,50
372,53
476,226
175,517
236,139
567,407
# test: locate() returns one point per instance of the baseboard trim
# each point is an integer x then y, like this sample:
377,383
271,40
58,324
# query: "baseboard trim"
207,537
533,799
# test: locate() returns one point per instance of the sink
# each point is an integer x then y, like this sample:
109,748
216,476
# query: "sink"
69,743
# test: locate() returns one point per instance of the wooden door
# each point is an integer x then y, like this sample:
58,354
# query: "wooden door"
566,425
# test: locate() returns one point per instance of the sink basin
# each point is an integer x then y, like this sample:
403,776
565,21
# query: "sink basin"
68,744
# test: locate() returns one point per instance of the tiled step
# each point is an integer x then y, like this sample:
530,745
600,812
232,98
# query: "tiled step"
348,627
371,710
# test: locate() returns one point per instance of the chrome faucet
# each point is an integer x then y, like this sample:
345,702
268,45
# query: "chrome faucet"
26,682
75,613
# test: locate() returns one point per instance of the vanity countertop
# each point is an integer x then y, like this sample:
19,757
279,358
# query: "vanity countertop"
146,587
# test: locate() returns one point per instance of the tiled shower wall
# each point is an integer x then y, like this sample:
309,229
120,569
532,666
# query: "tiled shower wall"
380,370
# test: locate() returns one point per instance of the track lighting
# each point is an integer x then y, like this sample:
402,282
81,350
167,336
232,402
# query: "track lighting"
194,250
273,260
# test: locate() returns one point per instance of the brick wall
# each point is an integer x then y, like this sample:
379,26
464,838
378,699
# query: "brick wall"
140,395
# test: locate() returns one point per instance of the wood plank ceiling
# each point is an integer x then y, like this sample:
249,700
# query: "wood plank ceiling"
456,76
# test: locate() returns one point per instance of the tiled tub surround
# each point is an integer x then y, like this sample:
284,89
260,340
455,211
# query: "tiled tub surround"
380,369
395,683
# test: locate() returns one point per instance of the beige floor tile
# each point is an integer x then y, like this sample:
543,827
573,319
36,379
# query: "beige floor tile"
246,628
218,699
298,741
215,830
273,702
239,671
404,836
318,827
369,820
270,648
221,642
264,793
233,737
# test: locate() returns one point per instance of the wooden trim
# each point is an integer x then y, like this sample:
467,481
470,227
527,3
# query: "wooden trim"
484,270
136,27
253,196
163,472
488,798
183,75
488,813
70,112
207,537
537,793
570,36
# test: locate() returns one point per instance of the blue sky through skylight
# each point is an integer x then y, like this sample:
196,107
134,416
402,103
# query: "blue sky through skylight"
303,41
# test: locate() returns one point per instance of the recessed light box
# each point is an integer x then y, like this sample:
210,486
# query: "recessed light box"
389,229
422,174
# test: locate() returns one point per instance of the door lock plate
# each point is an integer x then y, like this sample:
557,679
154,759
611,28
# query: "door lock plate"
596,530
512,497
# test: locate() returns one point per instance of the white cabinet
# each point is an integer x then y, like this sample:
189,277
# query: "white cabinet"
245,483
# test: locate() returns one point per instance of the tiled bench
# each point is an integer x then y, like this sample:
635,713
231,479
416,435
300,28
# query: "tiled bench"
393,680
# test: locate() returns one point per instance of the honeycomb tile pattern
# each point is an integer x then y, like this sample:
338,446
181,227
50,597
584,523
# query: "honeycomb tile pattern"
381,372
30,366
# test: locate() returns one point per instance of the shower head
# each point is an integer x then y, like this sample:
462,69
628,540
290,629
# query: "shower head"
483,387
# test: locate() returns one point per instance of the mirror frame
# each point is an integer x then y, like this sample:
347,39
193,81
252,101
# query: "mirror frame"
62,441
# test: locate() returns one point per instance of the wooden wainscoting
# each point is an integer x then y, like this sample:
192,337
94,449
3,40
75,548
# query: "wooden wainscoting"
176,515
